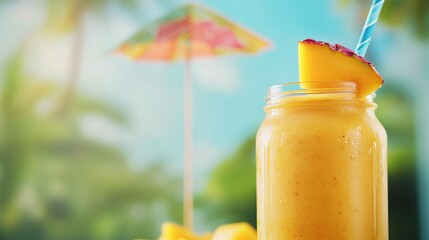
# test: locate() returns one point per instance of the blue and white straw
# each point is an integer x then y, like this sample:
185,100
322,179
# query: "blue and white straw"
370,23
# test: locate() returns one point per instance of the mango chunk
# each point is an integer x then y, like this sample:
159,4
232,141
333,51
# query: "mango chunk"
171,231
235,231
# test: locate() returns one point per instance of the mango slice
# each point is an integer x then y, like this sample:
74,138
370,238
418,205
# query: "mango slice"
235,231
321,61
171,231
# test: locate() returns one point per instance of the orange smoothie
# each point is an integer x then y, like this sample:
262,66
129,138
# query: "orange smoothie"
321,168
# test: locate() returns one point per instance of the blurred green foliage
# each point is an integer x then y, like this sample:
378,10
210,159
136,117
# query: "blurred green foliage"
397,113
64,16
56,183
230,194
412,14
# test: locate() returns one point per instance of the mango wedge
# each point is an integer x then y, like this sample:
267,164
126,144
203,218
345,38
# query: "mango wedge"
171,231
321,61
235,231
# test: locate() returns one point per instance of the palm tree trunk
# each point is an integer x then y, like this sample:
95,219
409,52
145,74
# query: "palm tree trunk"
75,64
12,159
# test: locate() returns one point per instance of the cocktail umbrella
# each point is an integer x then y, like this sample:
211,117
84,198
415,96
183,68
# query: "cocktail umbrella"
191,31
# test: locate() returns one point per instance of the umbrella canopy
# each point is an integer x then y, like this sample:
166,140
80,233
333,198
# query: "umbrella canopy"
191,31
188,32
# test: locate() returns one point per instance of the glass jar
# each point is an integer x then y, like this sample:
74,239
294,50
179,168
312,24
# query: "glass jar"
321,165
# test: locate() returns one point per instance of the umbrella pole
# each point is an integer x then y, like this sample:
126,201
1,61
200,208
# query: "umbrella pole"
188,208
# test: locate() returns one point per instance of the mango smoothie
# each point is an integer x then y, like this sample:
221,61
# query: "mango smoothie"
321,168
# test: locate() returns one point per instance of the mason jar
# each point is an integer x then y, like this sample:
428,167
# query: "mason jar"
321,165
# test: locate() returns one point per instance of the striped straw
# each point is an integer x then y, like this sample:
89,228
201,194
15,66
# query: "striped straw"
370,23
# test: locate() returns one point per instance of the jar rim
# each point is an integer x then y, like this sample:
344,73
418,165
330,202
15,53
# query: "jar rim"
310,87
